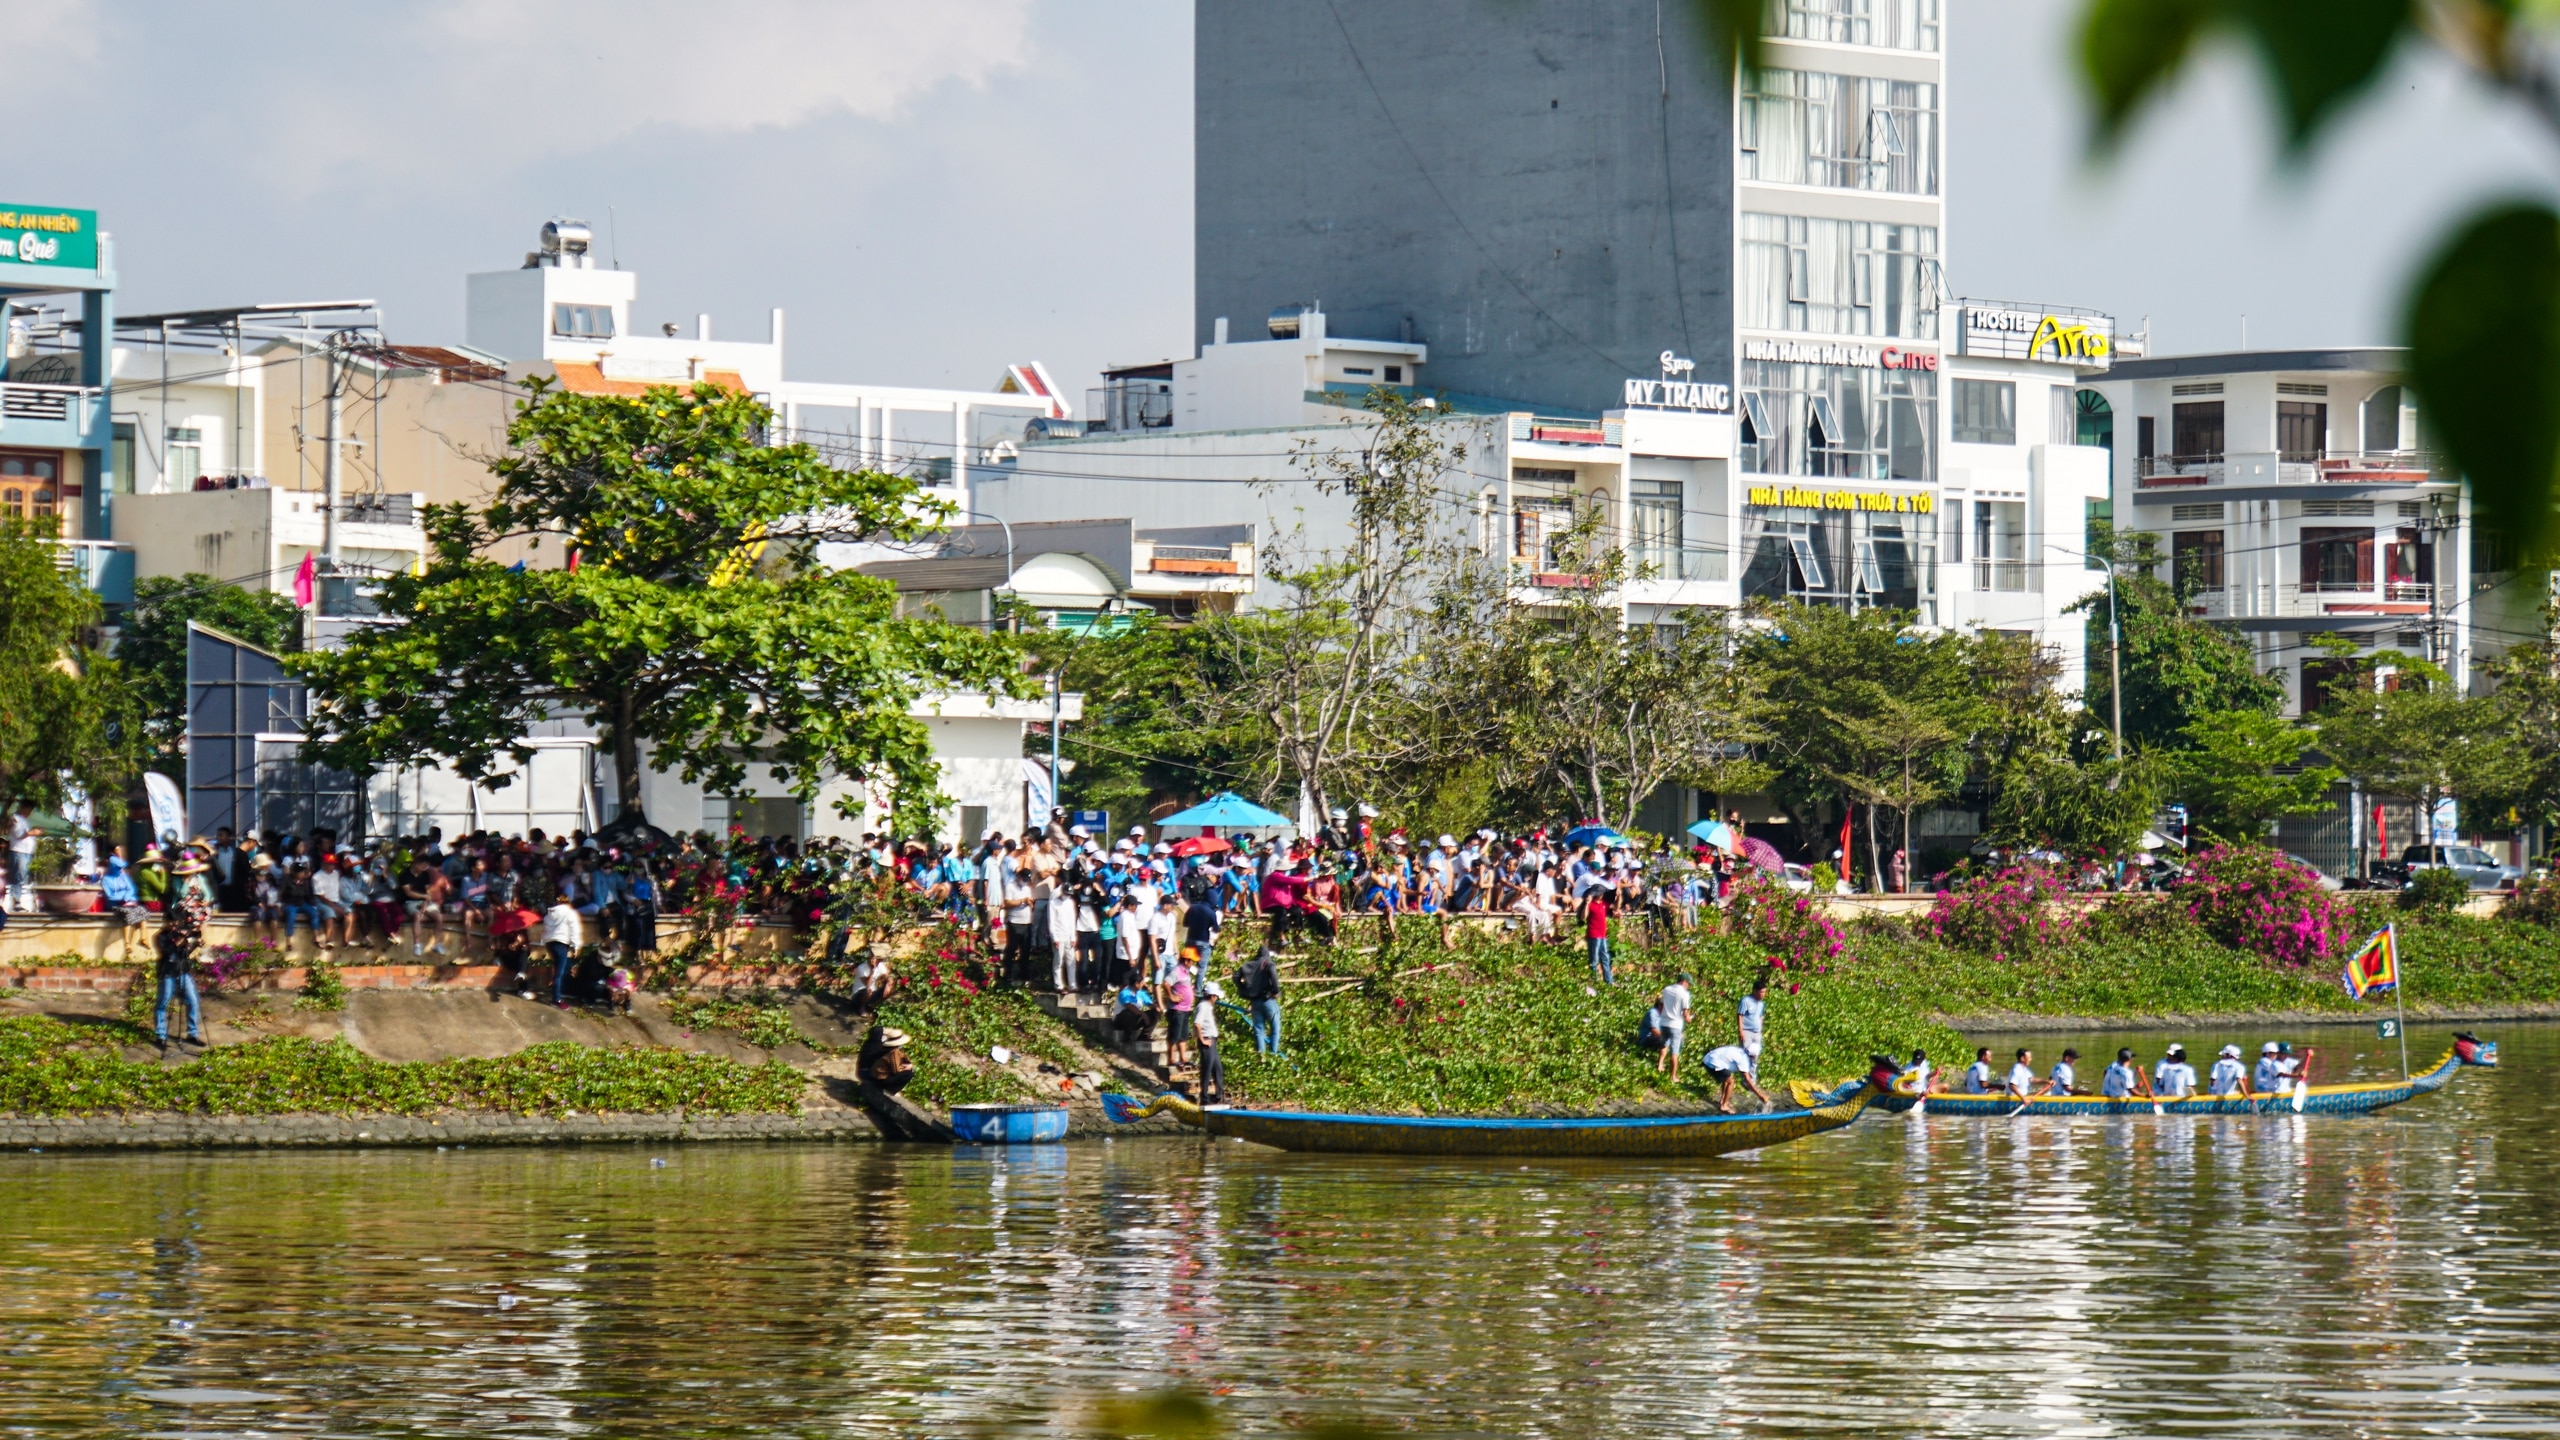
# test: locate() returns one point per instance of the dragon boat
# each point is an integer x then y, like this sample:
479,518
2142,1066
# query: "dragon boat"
2357,1099
1572,1138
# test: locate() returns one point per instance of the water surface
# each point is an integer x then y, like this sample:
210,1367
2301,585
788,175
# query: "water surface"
2383,1277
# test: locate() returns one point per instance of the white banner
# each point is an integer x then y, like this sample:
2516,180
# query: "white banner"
168,807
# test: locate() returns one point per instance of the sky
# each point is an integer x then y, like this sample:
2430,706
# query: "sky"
934,191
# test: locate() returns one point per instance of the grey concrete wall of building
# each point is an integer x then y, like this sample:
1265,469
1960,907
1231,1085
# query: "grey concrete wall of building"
1539,190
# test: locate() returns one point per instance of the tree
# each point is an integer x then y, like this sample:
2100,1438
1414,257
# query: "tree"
69,722
2225,772
1829,674
1145,737
690,625
152,642
1600,714
2097,807
2176,667
1906,758
2422,742
1318,665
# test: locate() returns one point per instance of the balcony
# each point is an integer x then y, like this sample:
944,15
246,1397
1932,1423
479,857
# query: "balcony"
2265,468
102,567
2317,600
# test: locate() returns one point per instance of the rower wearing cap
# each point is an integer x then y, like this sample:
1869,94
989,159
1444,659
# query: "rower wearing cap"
2269,1077
2124,1079
2173,1077
2062,1079
2230,1074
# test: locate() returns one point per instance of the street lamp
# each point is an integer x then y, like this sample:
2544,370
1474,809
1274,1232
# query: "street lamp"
2115,644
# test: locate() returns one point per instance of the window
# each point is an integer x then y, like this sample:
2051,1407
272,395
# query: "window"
2195,430
1849,132
2093,421
1951,530
2196,561
1837,277
1655,510
120,455
184,463
2000,545
2146,436
2382,420
2302,430
29,482
1360,370
2336,559
2326,682
1886,24
582,322
2062,426
1839,422
1986,412
1395,374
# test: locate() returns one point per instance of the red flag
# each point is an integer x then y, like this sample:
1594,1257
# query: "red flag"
304,587
1847,814
573,562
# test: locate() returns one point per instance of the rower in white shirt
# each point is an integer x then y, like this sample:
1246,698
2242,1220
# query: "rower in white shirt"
2124,1079
2062,1078
2269,1078
2022,1076
2173,1077
2230,1075
1977,1076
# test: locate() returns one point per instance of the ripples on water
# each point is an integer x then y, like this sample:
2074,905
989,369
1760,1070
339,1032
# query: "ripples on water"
2389,1276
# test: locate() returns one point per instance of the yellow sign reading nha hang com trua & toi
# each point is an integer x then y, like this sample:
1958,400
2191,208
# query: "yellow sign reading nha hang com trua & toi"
1793,497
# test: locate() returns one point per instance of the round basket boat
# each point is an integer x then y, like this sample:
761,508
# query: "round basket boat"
1008,1124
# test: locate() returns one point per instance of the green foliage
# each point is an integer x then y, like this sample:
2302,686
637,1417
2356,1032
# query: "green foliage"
2435,891
2319,54
2225,773
2535,901
323,988
69,721
698,624
2177,668
763,1020
953,1023
152,640
2422,741
2484,353
49,1068
1145,736
2094,809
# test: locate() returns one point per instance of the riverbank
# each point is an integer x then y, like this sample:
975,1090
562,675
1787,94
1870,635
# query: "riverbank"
1485,1026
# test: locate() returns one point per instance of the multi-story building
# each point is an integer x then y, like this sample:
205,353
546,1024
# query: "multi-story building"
1711,307
57,304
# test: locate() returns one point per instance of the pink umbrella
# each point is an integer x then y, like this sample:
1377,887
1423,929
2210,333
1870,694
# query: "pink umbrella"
1763,854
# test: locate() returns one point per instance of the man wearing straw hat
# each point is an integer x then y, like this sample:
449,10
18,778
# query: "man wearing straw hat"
181,936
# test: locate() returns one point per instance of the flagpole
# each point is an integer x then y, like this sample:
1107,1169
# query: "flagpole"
2399,994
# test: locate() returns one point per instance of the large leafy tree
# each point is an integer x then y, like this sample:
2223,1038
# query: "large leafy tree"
69,722
2240,771
691,623
152,642
2176,668
2413,738
1145,738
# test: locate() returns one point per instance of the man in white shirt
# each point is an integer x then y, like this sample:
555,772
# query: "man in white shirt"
2173,1077
1753,1015
22,858
1673,1009
2063,1077
2230,1074
2124,1079
561,933
2022,1077
1727,1063
1977,1076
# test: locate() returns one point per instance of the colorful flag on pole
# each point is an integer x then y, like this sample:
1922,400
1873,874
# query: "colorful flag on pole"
305,586
2375,967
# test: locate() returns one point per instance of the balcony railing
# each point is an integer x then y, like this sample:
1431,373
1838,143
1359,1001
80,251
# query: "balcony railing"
41,402
1655,562
2000,576
2394,467
101,566
2269,600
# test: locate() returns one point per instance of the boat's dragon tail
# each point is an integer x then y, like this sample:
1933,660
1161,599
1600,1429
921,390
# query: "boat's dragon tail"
1129,1109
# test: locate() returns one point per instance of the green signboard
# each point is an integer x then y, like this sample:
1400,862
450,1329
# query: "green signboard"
41,235
2387,1029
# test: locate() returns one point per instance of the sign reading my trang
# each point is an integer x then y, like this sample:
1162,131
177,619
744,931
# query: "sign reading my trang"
1676,391
33,235
1797,497
2087,341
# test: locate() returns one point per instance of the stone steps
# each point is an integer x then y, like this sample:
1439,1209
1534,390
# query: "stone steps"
1092,1019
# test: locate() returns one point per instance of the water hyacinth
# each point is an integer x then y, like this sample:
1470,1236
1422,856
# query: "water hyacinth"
2254,899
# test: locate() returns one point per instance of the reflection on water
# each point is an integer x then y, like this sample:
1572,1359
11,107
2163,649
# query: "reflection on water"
2386,1276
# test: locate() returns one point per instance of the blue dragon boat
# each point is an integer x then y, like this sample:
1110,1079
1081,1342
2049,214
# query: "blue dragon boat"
2358,1099
1573,1138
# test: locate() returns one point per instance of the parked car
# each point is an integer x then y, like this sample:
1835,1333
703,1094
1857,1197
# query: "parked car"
2473,864
2327,880
1799,879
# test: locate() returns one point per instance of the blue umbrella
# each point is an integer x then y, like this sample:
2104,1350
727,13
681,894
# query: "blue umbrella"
1713,832
1592,835
1227,811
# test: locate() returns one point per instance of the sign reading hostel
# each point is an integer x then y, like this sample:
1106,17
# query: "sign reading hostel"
67,239
1794,497
2087,341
